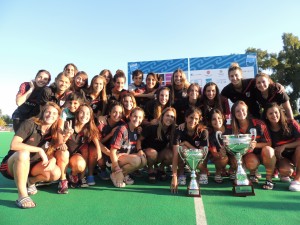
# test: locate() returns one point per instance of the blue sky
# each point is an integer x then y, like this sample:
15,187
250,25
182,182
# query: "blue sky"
96,35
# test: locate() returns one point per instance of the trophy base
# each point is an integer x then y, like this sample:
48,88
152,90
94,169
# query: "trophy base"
243,190
193,192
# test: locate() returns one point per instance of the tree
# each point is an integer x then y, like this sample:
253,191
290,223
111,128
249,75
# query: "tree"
284,66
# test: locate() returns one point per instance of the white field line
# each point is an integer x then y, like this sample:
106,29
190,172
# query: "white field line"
200,213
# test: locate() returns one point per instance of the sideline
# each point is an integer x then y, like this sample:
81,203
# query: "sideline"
200,213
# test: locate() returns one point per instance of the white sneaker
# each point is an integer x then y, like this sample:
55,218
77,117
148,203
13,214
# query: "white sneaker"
128,180
285,179
182,180
294,186
203,179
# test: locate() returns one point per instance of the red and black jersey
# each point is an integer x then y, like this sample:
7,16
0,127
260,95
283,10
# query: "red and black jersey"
181,107
151,140
124,140
96,104
76,140
49,95
30,107
31,134
105,129
213,142
247,95
279,138
262,132
195,140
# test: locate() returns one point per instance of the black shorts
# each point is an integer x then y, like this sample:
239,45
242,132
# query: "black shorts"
288,153
4,171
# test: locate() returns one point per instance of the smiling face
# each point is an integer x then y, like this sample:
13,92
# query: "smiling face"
127,103
50,115
150,82
70,71
193,93
163,97
216,121
73,105
84,115
136,118
210,92
240,112
273,115
119,84
62,83
178,79
262,83
80,81
42,79
192,120
168,118
98,85
235,77
116,113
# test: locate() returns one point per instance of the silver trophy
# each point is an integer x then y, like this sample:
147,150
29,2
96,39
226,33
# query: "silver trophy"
238,145
193,157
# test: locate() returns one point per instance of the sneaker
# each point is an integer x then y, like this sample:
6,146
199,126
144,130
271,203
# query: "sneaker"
203,179
276,174
73,179
182,180
128,180
63,187
104,175
91,180
83,182
232,176
253,178
285,179
294,186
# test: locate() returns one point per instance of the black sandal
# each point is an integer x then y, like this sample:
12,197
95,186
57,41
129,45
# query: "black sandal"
269,185
152,178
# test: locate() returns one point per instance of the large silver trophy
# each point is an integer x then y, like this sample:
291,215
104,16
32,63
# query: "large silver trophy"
193,157
238,145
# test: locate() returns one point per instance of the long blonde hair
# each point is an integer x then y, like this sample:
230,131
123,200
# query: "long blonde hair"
171,129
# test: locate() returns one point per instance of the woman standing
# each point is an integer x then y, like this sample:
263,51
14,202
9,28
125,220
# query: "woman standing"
31,158
285,136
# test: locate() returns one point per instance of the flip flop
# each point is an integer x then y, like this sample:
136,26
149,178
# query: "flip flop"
31,189
21,203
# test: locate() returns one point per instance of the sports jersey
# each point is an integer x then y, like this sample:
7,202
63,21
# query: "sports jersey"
273,96
213,142
181,107
30,107
49,95
31,134
247,95
151,140
279,138
195,140
105,129
124,140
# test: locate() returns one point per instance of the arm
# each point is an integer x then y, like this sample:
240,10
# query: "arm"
22,97
288,110
174,183
280,149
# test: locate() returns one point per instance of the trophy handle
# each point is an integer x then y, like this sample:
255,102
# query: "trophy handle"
253,133
219,136
179,150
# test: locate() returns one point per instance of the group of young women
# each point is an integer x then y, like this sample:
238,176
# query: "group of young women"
68,129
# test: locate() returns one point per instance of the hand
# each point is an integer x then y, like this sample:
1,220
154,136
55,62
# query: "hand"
69,130
102,120
31,84
181,126
43,157
50,165
280,88
174,185
252,145
278,151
